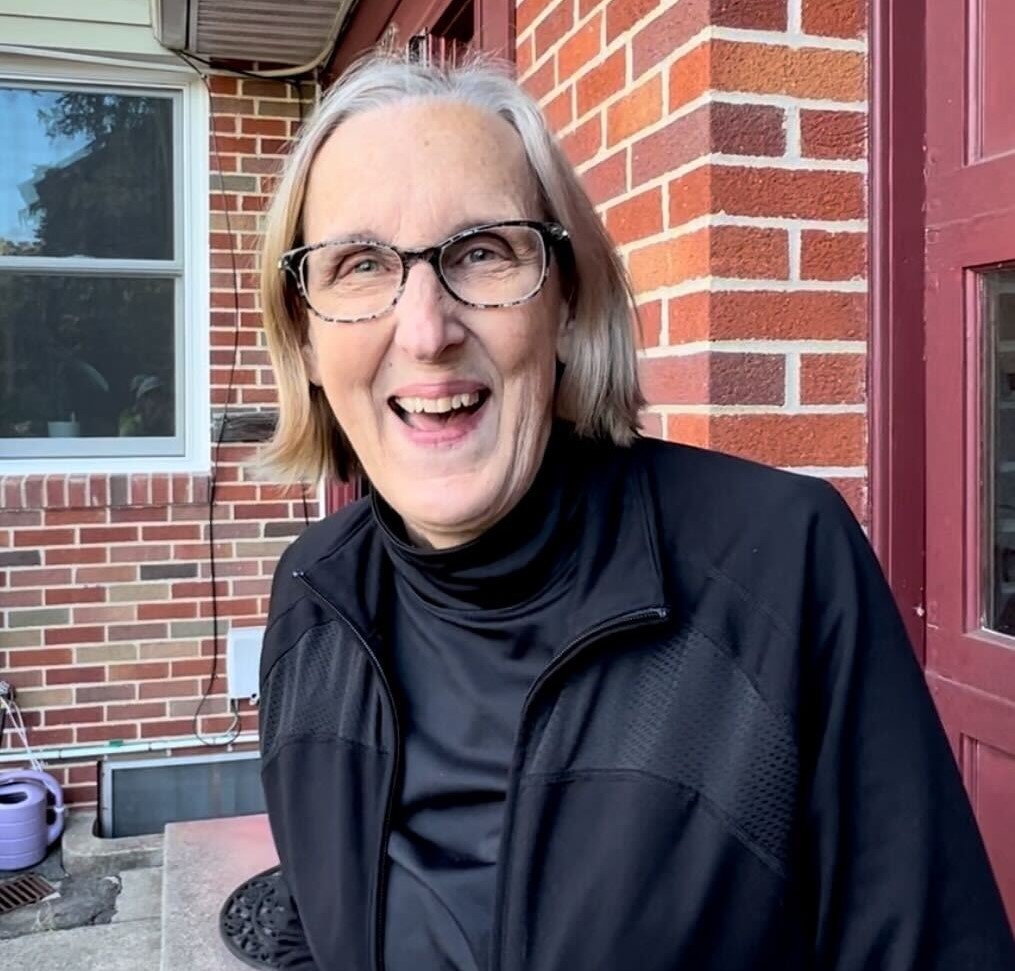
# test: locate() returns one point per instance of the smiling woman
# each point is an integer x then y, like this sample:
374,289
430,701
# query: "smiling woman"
555,696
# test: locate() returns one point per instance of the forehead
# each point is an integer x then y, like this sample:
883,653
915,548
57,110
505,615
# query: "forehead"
415,172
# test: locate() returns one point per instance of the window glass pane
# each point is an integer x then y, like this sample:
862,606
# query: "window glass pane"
86,174
999,316
86,356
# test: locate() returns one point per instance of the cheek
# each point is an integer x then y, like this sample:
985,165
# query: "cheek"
347,362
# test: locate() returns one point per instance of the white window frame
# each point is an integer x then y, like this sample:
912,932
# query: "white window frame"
189,267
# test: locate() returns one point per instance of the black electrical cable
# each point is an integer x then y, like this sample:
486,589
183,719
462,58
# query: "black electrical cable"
213,476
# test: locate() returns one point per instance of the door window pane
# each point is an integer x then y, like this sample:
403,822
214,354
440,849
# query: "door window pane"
86,356
86,173
999,320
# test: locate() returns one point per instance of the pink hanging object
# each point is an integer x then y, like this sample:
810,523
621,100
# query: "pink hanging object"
25,809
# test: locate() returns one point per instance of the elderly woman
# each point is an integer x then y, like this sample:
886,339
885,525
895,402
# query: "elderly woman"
557,696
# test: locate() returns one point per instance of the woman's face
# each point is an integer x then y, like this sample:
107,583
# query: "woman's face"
411,175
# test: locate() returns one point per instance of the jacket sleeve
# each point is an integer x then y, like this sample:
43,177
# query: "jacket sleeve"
898,873
293,951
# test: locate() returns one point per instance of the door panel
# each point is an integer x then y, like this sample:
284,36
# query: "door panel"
970,428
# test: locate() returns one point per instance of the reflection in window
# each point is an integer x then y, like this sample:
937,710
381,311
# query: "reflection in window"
86,356
999,320
91,275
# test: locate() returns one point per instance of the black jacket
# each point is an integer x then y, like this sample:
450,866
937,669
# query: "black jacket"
733,764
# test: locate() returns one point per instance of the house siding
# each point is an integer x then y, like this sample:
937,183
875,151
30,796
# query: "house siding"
120,27
724,145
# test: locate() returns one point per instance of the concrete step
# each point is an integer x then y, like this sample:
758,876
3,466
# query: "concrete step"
85,854
204,862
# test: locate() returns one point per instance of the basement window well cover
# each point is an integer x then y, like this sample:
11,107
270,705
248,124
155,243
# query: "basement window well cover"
140,796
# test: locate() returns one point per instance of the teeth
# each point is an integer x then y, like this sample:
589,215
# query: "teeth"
438,406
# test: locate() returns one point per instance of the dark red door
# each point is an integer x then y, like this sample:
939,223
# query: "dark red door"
970,427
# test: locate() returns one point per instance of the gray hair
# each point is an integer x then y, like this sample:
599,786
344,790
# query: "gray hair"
598,391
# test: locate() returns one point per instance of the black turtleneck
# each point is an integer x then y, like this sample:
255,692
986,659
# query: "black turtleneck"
472,628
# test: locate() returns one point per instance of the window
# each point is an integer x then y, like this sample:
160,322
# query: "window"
103,225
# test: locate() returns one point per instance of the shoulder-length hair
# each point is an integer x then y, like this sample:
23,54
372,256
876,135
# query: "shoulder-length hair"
598,390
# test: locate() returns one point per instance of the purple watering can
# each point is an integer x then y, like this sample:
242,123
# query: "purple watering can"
24,808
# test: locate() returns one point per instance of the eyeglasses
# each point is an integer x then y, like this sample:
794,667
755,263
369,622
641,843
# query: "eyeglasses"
494,265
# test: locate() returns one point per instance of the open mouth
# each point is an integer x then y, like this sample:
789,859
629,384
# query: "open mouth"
434,414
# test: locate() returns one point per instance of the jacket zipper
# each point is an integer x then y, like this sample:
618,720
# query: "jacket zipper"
574,648
382,870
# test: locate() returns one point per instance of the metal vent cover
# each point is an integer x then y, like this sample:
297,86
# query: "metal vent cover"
22,891
288,32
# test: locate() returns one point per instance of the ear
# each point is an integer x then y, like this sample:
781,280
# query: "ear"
565,333
310,362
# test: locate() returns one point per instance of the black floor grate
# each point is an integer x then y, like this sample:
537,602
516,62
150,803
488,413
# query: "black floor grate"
22,891
259,924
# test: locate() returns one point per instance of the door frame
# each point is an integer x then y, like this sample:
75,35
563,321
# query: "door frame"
897,377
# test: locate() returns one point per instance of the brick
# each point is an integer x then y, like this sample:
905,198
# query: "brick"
161,650
803,72
41,657
75,675
168,571
833,256
107,733
45,697
524,56
105,574
833,134
792,440
188,707
78,634
636,218
75,517
584,142
603,81
103,653
635,111
553,27
832,379
527,12
20,558
105,614
194,628
740,315
145,514
622,16
788,193
662,35
106,692
265,88
650,424
272,548
18,517
138,672
261,510
76,595
650,318
280,528
177,531
232,607
140,553
715,378
277,127
131,632
854,491
109,534
77,715
29,637
168,689
77,554
139,592
724,251
167,611
607,179
581,49
835,18
46,617
541,81
162,729
681,141
21,598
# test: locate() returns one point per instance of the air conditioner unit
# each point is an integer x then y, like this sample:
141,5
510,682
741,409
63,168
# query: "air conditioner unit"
283,32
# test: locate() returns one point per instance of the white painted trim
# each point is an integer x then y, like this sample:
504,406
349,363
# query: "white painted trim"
189,266
68,753
756,346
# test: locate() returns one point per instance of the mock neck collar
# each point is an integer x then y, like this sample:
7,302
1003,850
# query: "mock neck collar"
518,559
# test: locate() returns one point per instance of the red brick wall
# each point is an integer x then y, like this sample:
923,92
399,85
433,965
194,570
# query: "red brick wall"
724,144
105,579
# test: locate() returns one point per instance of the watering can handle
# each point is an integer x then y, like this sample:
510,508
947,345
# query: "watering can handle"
46,780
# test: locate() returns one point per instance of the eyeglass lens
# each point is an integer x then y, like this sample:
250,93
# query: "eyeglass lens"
495,266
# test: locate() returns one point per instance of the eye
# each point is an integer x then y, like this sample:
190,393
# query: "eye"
479,254
368,264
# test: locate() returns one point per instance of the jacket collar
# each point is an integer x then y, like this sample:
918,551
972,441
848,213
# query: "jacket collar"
618,576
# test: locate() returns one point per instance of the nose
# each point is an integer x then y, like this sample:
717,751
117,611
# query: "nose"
426,324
